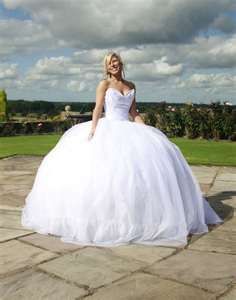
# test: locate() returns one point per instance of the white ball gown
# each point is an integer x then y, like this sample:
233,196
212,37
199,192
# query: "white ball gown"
128,184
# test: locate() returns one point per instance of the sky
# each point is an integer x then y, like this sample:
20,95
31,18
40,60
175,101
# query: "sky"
173,50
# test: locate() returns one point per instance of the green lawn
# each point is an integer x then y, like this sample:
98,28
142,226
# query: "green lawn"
195,151
222,153
31,144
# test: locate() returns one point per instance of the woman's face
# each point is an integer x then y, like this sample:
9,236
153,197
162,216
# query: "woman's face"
114,66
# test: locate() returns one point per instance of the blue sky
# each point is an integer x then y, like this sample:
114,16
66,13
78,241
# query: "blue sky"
177,51
17,13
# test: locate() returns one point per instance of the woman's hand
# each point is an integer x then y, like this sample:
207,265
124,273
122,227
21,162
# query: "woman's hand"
139,119
91,134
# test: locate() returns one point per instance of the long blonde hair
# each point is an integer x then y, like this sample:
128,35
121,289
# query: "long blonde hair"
107,60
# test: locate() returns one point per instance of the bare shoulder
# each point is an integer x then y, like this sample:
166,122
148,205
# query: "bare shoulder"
100,92
102,85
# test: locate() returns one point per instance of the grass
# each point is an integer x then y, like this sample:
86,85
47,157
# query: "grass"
195,151
27,145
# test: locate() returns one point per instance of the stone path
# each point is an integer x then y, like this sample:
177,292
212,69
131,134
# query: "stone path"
35,266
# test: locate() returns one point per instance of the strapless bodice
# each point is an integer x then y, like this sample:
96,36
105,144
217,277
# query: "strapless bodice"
117,105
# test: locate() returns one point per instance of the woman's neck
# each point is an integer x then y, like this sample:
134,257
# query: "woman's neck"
117,78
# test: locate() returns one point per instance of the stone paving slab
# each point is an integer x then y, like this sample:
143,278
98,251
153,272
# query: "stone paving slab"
21,178
230,226
216,241
205,175
13,194
9,208
91,266
205,188
231,295
141,286
36,285
227,176
204,170
49,242
8,234
221,186
214,272
20,162
15,256
14,174
205,178
11,220
146,254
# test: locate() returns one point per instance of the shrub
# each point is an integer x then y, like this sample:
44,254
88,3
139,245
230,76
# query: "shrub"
215,121
24,128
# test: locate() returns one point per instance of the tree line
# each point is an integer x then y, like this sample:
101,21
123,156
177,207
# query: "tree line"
54,108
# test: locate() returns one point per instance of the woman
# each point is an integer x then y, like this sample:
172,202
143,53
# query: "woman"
111,181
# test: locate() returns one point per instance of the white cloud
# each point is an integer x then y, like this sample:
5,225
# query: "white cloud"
202,52
208,81
164,28
224,54
8,71
55,66
61,72
163,68
160,42
212,52
77,86
9,76
17,36
156,70
106,24
89,56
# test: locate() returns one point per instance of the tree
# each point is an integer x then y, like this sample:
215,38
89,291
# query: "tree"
3,106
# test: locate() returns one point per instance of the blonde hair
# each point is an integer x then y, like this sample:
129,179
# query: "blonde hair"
107,60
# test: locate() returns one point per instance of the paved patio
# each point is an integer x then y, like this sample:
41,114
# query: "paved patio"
35,266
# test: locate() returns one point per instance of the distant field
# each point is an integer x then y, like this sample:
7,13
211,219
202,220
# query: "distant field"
195,151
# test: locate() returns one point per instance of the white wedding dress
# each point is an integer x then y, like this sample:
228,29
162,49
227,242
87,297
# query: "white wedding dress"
128,184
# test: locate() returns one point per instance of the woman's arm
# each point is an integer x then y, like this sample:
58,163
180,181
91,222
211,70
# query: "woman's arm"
134,114
97,111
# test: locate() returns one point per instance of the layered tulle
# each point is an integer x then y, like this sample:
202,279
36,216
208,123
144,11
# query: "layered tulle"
128,184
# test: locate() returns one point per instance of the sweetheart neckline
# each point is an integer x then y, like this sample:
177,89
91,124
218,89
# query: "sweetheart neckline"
120,92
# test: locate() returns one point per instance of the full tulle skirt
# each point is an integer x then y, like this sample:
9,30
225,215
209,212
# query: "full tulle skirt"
128,184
